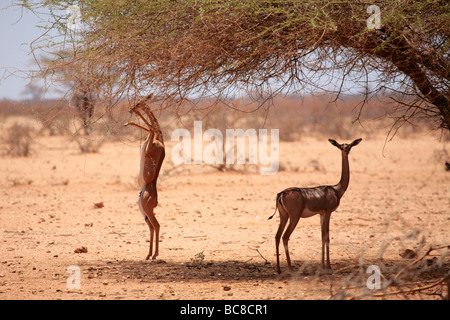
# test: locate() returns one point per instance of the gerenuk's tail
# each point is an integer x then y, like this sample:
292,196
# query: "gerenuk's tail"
276,204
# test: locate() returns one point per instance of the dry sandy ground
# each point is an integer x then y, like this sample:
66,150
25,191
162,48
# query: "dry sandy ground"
216,241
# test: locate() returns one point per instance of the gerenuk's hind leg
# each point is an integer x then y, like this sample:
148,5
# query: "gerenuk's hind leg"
155,225
152,231
146,205
293,220
283,220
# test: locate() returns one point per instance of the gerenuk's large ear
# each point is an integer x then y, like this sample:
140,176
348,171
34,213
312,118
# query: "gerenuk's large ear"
356,142
148,97
334,143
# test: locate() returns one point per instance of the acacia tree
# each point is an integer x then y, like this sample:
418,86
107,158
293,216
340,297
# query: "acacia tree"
213,47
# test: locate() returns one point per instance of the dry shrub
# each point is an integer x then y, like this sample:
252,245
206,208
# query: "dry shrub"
213,115
54,119
423,275
19,139
87,144
9,108
322,116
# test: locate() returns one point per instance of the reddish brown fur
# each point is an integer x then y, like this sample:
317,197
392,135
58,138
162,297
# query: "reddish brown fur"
294,203
152,157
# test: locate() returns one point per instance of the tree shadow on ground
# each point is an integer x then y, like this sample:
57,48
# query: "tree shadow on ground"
162,271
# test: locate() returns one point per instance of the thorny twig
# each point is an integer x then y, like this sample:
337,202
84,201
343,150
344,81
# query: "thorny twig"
397,280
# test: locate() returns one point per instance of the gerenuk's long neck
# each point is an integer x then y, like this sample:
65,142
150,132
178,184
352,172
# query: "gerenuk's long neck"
342,186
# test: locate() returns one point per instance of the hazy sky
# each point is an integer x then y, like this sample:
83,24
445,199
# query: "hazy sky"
17,30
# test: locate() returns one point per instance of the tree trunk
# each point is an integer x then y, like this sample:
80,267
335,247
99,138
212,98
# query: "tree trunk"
407,60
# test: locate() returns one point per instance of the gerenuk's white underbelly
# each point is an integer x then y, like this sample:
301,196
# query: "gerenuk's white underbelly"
308,213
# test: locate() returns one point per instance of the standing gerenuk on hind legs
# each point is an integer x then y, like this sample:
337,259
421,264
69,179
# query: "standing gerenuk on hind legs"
152,157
